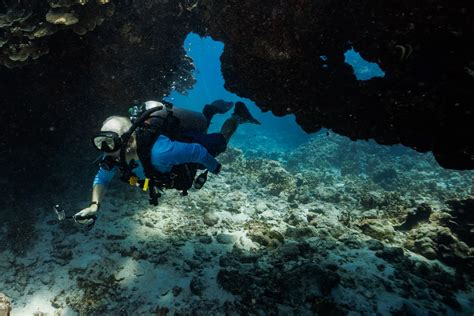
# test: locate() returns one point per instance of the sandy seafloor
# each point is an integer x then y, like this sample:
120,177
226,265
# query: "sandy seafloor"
307,231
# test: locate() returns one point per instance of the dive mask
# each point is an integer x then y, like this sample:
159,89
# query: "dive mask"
107,141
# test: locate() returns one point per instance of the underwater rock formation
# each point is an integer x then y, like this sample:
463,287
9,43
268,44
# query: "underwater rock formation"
25,26
439,228
378,229
421,213
287,57
437,242
448,237
5,306
461,219
272,56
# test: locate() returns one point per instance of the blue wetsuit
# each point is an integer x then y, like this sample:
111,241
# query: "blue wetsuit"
164,155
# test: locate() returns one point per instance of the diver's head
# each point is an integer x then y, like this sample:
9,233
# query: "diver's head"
110,137
117,124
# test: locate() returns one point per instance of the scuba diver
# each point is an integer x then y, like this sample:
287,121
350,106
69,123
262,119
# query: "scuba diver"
161,147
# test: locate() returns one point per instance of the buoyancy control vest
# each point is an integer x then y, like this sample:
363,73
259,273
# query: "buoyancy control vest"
174,123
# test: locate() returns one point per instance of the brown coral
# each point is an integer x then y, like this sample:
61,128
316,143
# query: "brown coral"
24,28
436,242
5,307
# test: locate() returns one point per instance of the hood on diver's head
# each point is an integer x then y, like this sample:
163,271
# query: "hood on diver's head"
109,139
117,124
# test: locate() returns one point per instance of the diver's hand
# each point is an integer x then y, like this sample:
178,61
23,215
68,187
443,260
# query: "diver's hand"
87,216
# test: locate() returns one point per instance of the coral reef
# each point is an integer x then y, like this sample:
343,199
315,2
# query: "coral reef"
136,53
246,244
435,242
378,229
421,213
25,27
461,219
436,234
312,231
413,177
270,175
5,306
427,216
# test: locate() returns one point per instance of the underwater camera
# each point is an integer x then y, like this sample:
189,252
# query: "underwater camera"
200,180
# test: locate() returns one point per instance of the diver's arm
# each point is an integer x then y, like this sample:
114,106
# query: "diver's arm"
98,193
101,181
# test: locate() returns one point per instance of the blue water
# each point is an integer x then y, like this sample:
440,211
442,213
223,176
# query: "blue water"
209,86
363,70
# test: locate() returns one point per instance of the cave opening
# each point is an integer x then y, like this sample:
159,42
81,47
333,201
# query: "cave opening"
363,69
205,53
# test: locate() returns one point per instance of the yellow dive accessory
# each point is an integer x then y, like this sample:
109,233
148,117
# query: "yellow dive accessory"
145,185
133,180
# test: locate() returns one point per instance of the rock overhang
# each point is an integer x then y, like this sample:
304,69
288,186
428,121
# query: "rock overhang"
271,56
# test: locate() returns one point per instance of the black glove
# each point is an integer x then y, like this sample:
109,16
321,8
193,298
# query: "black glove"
218,169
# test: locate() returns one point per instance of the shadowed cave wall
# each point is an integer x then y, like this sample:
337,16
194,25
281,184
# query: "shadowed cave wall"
425,100
132,49
51,105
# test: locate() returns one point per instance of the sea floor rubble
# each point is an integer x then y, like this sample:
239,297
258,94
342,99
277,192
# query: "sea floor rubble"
285,236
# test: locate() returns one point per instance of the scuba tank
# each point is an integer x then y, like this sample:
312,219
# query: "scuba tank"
184,120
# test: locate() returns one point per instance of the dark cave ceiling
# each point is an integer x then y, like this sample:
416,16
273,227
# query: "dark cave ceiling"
60,57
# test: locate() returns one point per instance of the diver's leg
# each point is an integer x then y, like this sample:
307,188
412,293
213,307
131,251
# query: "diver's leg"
241,115
229,127
208,113
218,106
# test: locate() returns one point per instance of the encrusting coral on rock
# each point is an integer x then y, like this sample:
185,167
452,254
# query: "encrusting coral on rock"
421,213
444,239
461,219
25,26
5,307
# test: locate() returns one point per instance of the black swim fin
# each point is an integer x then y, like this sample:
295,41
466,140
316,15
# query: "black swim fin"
217,107
243,114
